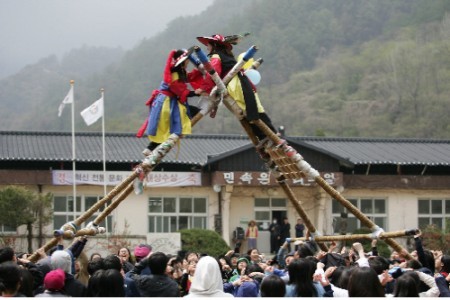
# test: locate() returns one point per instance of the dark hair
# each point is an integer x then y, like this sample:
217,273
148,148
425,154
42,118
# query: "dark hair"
364,282
305,250
379,264
106,283
249,251
95,265
336,275
333,260
300,274
218,47
157,263
407,285
6,254
414,264
10,276
187,254
345,277
112,262
253,268
273,286
428,261
27,283
95,254
445,260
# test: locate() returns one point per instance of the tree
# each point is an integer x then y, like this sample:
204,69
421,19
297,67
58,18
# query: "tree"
20,206
203,241
42,210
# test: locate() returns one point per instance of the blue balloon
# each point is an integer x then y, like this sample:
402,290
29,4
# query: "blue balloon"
253,75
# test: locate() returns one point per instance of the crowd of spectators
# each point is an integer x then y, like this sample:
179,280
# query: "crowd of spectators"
304,272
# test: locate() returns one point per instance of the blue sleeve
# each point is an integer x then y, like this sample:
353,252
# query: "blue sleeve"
442,285
280,257
278,272
228,288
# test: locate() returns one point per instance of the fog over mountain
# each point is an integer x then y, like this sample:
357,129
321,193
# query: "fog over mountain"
31,30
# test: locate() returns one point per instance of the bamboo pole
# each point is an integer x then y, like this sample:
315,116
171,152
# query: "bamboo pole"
231,104
302,213
125,187
381,236
314,174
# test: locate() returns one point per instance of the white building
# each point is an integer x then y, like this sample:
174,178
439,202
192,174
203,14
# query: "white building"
218,182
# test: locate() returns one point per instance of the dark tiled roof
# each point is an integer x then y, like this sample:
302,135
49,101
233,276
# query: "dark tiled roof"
120,147
197,149
363,151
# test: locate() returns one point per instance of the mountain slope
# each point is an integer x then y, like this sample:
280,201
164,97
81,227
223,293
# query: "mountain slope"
348,68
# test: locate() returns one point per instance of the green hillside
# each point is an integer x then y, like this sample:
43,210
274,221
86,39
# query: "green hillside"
335,68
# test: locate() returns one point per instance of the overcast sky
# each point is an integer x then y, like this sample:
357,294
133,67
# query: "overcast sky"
33,29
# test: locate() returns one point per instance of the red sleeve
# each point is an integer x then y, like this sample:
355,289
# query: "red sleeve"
180,89
195,78
247,232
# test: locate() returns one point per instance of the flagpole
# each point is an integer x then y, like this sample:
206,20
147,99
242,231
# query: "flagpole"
72,82
104,155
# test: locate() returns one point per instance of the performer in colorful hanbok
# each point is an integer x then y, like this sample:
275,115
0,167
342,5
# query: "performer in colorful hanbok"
240,88
169,109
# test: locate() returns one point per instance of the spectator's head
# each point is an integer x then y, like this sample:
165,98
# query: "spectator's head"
125,254
252,268
335,277
10,278
27,283
95,265
6,254
345,277
305,250
61,259
242,263
407,285
54,280
364,282
301,275
112,262
273,286
106,283
157,263
379,264
141,251
445,263
414,264
95,255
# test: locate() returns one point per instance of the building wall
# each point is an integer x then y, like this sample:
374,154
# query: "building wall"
132,213
402,207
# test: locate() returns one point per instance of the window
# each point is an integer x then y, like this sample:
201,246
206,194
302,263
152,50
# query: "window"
170,214
7,229
264,208
433,211
66,210
345,222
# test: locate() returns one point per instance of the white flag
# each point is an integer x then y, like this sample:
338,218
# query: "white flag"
94,112
67,100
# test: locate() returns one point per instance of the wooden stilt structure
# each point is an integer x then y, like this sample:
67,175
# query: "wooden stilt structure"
285,163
